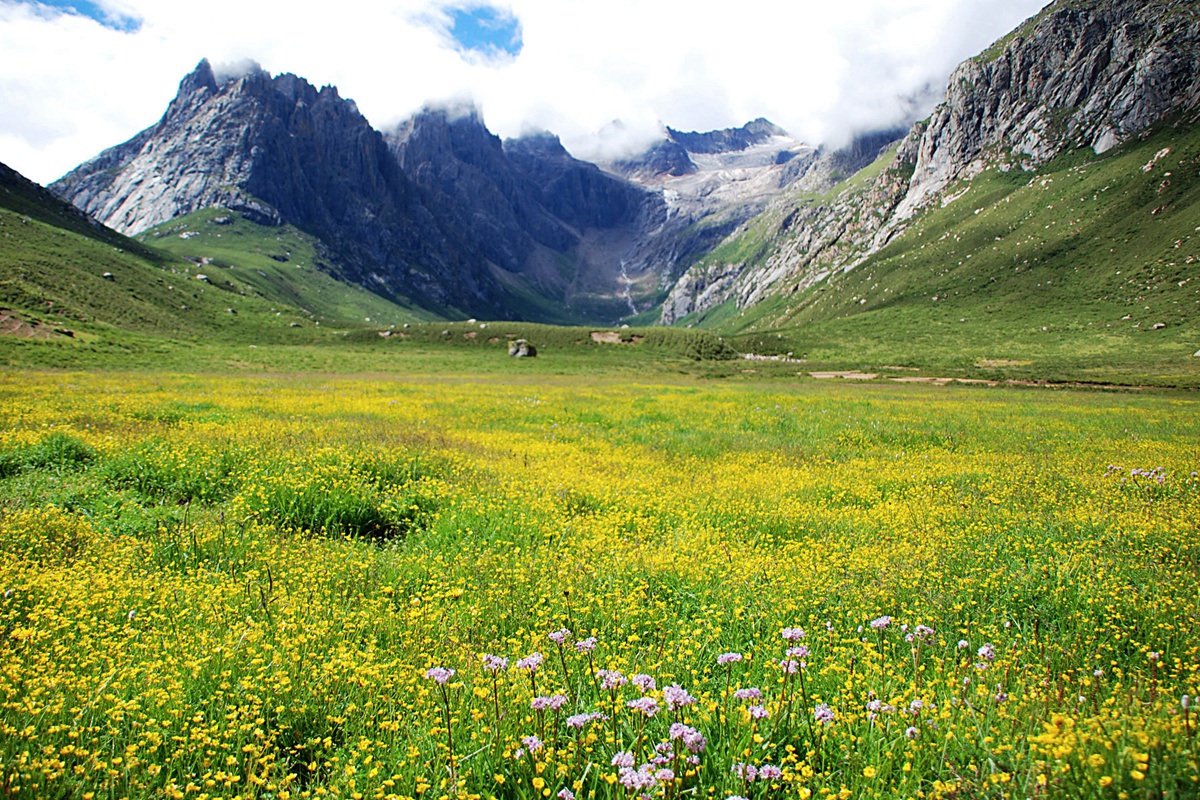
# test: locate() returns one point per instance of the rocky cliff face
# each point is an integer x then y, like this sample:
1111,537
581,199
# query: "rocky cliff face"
560,224
1082,73
278,149
439,211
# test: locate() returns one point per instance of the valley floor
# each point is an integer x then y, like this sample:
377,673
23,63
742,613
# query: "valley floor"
511,584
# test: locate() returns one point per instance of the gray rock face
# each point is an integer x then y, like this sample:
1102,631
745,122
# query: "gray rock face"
277,149
1079,74
1082,73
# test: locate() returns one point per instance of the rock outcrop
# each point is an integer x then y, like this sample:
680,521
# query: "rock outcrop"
1082,73
278,149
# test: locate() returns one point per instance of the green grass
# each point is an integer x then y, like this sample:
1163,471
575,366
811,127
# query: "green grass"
280,264
1041,267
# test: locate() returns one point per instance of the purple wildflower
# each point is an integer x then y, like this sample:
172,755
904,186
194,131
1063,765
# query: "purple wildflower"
911,732
728,658
533,743
494,663
792,634
530,662
749,693
746,772
586,645
987,651
565,794
758,712
646,705
790,666
581,720
677,697
560,636
643,682
623,758
664,775
769,772
693,740
879,623
823,714
440,674
610,679
798,652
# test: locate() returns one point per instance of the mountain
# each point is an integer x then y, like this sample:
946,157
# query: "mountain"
278,150
556,224
1081,77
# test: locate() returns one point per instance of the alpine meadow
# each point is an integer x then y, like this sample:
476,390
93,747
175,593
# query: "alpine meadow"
413,463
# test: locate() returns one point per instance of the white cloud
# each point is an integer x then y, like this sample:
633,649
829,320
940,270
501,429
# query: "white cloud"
69,87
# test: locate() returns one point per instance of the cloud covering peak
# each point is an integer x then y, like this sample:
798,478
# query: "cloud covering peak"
72,83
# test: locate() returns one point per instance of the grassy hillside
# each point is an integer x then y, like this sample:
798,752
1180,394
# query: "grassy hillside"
281,264
1087,268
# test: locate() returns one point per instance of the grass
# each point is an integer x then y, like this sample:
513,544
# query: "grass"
275,635
281,264
1084,269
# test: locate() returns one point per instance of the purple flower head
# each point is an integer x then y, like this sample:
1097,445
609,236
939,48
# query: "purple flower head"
530,662
924,632
963,644
798,652
911,732
1185,702
792,634
874,705
646,705
758,712
560,636
565,794
610,679
879,623
677,697
557,701
539,703
533,743
643,682
769,772
746,772
640,779
624,758
916,705
987,652
581,721
823,714
728,658
693,740
494,663
586,645
749,693
440,674
790,666
664,775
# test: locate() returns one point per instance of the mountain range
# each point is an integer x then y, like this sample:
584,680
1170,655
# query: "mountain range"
743,230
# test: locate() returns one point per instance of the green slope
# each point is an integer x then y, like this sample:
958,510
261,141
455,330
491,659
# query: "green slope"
281,264
1087,268
76,291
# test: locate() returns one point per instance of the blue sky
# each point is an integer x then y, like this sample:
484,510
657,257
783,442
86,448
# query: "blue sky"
85,8
489,31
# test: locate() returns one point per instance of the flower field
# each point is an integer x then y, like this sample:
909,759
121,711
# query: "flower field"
367,588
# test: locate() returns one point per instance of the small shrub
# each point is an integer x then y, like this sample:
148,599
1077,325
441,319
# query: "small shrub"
58,452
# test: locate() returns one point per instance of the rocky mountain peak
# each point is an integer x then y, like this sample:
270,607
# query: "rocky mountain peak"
727,140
